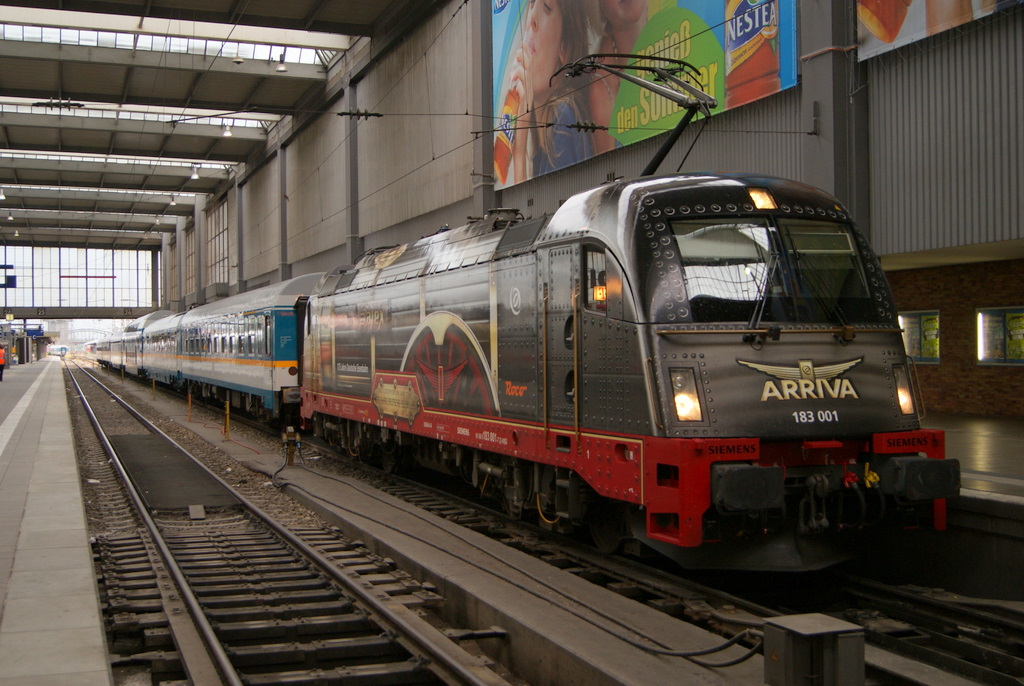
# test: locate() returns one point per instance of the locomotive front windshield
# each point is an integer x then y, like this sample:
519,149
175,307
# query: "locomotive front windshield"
782,270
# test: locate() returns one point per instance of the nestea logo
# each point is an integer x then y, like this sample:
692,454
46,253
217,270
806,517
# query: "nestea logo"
499,5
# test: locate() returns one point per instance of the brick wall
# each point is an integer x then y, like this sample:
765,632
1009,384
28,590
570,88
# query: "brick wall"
958,384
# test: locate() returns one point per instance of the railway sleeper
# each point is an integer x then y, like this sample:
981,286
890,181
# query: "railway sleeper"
260,550
116,596
208,575
279,612
361,650
118,552
257,588
136,622
117,585
233,556
317,596
158,638
232,561
247,541
292,629
134,606
219,542
118,577
390,674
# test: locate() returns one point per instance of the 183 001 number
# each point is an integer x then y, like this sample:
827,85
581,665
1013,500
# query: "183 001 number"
810,416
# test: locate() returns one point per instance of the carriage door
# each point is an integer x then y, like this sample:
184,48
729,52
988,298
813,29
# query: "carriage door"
559,288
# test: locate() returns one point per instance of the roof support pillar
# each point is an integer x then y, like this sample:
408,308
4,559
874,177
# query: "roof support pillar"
199,222
285,269
834,104
355,241
239,232
483,147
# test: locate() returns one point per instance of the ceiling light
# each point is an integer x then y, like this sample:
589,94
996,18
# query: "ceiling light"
195,172
2,196
16,233
10,217
238,59
227,131
173,201
280,66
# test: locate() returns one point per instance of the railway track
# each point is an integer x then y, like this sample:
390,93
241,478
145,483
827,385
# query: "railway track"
228,595
967,641
979,640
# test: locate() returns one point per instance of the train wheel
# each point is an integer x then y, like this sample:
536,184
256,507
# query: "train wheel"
390,458
608,522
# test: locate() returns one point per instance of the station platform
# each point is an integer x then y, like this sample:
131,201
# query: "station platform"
990,450
51,628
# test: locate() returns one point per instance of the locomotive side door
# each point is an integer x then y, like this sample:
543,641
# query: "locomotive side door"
558,289
610,374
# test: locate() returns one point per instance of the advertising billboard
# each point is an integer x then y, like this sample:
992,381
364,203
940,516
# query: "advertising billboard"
885,25
741,51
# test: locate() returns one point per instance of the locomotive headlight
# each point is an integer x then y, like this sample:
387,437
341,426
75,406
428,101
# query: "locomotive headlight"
903,391
684,392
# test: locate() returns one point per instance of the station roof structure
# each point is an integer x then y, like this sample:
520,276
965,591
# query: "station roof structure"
115,114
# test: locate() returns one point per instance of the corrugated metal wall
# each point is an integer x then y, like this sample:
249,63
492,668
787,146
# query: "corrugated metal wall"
418,156
764,137
947,138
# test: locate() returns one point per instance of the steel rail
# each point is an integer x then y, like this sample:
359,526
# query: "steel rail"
213,644
404,621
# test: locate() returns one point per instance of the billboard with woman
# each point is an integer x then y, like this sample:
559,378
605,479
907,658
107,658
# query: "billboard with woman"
742,50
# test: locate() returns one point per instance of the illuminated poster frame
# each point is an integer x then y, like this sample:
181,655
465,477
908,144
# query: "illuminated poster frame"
1000,333
743,50
921,335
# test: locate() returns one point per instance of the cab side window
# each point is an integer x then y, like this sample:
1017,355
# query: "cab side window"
603,282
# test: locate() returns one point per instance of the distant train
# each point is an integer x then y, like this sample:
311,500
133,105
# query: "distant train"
244,349
707,364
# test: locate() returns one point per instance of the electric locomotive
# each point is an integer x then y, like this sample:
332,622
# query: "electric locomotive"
708,364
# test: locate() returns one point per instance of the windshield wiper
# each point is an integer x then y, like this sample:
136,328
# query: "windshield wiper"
762,301
830,305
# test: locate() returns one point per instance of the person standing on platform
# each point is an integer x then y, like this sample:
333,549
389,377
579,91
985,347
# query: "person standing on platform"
3,361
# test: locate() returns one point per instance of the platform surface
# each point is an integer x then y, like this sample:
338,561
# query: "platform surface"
51,628
990,450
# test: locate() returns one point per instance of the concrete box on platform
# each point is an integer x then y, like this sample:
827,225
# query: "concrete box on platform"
801,650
